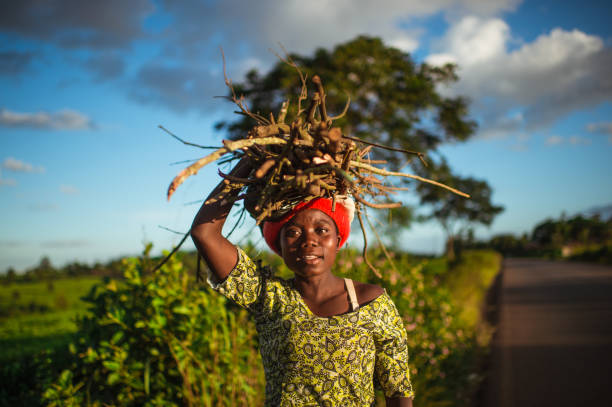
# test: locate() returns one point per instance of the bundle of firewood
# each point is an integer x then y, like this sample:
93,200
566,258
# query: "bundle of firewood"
303,160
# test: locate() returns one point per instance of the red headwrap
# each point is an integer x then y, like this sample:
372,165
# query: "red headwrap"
341,216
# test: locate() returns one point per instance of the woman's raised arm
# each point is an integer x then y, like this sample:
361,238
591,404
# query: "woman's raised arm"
206,231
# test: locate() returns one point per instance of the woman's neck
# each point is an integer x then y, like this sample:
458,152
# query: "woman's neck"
320,287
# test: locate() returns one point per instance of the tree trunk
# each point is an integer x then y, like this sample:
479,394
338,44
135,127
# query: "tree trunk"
450,248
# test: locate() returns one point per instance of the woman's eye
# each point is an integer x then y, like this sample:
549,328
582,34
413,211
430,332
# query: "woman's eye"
291,233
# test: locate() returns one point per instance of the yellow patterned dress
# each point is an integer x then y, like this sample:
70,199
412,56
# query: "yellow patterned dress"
320,361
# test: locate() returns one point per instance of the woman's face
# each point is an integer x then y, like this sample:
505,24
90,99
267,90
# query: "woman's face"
309,243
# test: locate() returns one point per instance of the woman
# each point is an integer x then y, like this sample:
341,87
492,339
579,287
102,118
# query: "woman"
324,340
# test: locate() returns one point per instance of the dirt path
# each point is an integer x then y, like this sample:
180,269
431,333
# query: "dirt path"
553,346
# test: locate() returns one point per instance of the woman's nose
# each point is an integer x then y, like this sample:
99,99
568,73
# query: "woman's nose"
309,239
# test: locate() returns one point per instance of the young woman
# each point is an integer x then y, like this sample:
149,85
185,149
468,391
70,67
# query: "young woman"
324,340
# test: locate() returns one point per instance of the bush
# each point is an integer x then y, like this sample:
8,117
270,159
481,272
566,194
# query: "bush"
158,340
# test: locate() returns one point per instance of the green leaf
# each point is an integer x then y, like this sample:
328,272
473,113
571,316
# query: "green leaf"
113,378
181,309
111,365
117,337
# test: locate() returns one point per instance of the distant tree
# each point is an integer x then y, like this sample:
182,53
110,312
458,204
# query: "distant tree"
579,229
43,270
10,276
454,213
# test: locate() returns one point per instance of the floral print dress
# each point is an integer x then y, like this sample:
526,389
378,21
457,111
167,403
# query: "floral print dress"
320,361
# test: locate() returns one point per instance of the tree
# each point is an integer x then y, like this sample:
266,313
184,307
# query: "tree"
10,276
454,213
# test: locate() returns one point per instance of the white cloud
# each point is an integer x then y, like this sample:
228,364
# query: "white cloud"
601,127
12,164
43,207
554,140
69,189
573,140
405,43
578,140
302,27
7,182
555,74
65,244
473,40
184,72
63,120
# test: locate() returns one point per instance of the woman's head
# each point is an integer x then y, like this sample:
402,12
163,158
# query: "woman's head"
309,242
341,215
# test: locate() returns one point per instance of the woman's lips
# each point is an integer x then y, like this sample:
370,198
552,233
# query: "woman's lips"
309,258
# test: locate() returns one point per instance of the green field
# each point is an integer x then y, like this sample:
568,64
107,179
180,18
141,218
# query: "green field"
40,315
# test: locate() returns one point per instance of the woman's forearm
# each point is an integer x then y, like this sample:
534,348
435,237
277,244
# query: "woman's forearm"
206,231
399,402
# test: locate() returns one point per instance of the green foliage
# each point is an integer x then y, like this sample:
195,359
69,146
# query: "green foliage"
578,229
454,212
594,253
160,339
468,283
157,339
577,238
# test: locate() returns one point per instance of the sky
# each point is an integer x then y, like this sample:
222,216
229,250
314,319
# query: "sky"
84,168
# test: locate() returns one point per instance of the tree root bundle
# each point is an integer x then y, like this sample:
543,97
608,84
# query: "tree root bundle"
301,160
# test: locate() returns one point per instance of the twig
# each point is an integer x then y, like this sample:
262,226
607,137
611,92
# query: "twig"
389,205
198,273
289,61
185,161
183,141
172,252
229,147
346,108
170,230
371,143
406,175
239,101
365,245
240,218
382,245
199,201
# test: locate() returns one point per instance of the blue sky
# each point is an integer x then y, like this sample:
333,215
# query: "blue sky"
84,168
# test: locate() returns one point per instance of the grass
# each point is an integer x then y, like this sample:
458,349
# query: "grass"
468,282
40,315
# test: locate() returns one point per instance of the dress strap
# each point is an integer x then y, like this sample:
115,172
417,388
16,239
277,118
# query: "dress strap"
351,292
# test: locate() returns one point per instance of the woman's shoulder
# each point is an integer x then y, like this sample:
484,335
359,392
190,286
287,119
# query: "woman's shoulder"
367,292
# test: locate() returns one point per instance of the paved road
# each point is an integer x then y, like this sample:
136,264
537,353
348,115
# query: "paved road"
553,346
